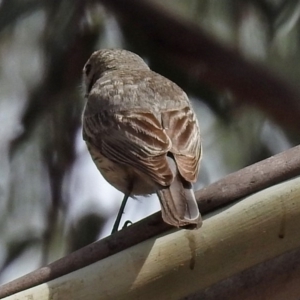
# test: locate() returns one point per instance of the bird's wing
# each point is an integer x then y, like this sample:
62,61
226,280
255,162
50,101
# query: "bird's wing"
182,128
135,139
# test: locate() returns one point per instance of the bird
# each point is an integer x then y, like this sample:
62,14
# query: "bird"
142,133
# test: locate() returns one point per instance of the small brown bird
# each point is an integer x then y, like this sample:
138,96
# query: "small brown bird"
142,134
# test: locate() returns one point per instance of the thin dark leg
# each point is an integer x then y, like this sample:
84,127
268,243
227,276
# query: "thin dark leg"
120,213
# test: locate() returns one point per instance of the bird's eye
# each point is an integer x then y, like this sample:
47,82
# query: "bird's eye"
87,69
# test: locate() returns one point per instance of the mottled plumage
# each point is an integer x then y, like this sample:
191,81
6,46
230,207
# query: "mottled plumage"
142,133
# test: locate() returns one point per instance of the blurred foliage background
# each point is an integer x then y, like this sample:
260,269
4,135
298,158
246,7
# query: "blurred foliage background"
52,198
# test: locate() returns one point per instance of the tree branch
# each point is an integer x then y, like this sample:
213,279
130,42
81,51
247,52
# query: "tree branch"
275,279
229,189
258,228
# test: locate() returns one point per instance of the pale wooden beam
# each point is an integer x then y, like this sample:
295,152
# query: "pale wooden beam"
179,262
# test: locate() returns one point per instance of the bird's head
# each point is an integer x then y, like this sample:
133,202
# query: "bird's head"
106,60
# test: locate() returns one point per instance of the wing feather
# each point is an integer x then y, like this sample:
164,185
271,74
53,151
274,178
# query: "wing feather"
139,124
183,130
134,139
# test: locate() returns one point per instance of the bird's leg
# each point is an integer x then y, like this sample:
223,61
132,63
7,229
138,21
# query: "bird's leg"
120,213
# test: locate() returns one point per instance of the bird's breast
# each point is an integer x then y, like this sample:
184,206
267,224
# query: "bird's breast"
123,177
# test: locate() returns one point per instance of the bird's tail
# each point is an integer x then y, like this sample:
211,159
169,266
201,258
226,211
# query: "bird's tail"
178,204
